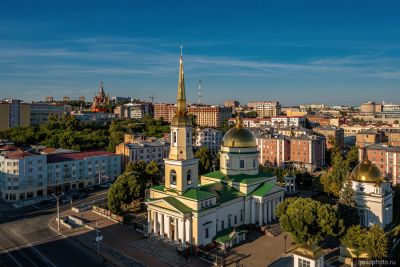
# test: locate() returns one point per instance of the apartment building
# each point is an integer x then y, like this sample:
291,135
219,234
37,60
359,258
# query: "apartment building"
208,137
333,135
14,113
307,152
40,112
133,110
25,175
135,149
365,138
231,103
266,108
387,159
285,121
206,115
274,149
302,152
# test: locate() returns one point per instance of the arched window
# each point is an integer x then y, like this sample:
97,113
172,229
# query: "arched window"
172,176
227,162
189,177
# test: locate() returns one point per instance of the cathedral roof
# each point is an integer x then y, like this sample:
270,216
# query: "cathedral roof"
239,136
198,194
263,189
222,191
239,178
366,172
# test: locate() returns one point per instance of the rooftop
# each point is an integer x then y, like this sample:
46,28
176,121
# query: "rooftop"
222,191
53,158
263,189
239,178
19,154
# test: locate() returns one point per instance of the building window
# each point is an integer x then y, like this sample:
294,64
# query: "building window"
172,176
235,219
229,221
189,177
303,263
222,225
207,235
241,164
227,162
254,163
174,138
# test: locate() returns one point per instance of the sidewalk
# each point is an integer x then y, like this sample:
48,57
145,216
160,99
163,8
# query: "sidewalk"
120,244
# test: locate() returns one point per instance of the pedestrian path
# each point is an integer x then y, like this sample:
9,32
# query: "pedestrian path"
165,252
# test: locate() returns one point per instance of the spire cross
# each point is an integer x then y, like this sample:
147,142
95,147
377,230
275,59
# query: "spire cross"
181,47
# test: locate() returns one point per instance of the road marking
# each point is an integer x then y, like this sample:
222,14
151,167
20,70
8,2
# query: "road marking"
14,260
43,258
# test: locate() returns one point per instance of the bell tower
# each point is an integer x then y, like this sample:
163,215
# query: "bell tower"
181,168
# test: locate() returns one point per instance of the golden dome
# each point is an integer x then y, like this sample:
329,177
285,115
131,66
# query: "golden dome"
239,137
181,120
366,172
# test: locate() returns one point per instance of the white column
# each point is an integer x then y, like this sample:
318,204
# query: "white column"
260,215
149,224
190,231
269,211
253,210
184,233
176,230
155,223
265,211
162,226
273,208
169,228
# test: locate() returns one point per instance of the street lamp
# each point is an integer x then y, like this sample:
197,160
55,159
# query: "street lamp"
58,209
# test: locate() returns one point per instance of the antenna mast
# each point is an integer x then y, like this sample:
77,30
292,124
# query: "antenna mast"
199,93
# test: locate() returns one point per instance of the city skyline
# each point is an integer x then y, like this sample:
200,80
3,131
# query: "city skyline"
291,52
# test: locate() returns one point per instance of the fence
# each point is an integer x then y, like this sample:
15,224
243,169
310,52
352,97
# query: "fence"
108,214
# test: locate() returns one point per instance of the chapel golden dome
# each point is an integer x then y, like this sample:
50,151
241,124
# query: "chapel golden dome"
239,137
366,172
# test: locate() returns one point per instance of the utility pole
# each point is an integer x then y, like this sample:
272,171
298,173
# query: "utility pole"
98,239
58,209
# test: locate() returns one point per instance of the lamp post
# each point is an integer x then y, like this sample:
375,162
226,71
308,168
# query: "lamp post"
58,209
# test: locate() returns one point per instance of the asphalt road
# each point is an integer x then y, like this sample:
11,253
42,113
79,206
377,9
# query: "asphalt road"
26,240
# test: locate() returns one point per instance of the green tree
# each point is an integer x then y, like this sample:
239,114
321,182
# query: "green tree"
376,243
308,221
205,159
352,158
347,204
252,114
355,239
154,173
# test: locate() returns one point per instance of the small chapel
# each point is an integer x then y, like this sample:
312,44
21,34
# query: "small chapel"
192,210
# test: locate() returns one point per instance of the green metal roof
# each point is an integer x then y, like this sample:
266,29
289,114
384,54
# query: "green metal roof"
158,187
198,194
263,189
239,178
222,191
224,236
177,204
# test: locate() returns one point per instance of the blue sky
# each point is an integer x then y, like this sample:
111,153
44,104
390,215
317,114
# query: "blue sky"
334,52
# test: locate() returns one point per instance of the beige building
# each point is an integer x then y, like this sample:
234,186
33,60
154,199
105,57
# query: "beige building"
368,137
188,211
135,149
231,103
266,108
14,113
206,115
333,135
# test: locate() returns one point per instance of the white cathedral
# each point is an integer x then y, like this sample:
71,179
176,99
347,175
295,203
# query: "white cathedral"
189,210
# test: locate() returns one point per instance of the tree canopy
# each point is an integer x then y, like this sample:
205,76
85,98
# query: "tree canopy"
205,159
308,221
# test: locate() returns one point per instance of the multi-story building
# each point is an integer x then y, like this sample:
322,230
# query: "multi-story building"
369,137
135,149
295,112
318,120
25,175
49,99
394,138
274,149
285,121
294,131
252,122
210,138
82,99
206,115
387,159
265,108
300,152
165,111
133,110
307,152
231,103
40,112
210,116
14,113
333,135
66,99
